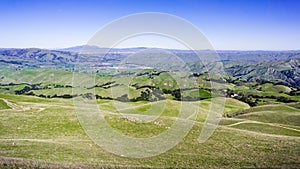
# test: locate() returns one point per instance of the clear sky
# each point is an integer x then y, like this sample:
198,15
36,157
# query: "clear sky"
228,24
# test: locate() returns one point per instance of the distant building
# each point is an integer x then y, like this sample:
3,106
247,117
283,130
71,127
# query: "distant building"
234,95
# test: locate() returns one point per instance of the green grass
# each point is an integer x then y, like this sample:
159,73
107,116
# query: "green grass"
46,132
229,121
196,93
3,105
267,129
138,129
282,88
270,88
33,75
11,89
50,132
281,114
240,88
233,105
53,91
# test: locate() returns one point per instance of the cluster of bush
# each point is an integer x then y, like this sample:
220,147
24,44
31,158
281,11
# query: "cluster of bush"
28,88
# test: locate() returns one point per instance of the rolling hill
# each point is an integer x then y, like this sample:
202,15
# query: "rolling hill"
276,66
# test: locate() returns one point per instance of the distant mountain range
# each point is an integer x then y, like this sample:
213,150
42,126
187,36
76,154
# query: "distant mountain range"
282,66
225,55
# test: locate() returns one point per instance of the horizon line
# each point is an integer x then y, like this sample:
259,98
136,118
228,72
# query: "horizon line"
82,46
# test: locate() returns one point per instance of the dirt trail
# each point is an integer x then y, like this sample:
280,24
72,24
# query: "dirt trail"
261,134
10,104
44,140
257,122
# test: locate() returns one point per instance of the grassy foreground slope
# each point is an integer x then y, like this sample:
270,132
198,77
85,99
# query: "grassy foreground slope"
40,132
3,105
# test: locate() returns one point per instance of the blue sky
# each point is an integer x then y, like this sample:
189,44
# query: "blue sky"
228,24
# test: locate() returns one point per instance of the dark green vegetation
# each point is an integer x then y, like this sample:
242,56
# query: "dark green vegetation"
260,127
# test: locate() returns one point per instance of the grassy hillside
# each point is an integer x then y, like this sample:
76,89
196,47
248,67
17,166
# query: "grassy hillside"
48,130
279,114
3,105
259,127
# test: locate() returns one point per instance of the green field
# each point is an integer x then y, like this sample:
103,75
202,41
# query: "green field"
259,127
42,132
3,105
